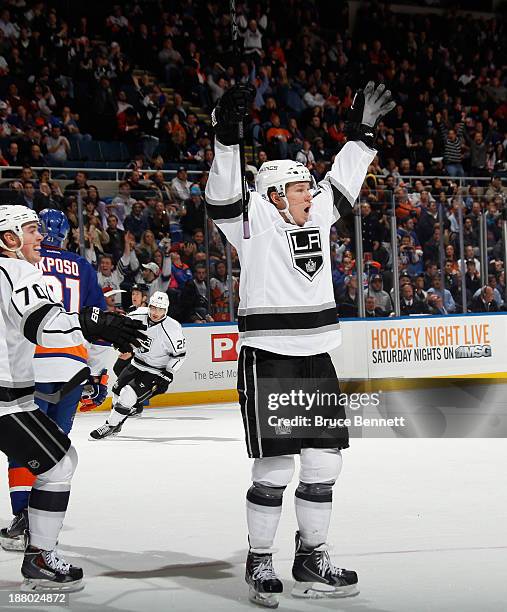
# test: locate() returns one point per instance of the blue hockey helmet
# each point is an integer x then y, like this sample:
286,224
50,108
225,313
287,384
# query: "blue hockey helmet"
54,226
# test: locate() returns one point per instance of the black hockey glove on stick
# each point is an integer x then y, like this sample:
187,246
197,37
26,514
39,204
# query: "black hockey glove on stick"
122,332
368,108
231,110
163,382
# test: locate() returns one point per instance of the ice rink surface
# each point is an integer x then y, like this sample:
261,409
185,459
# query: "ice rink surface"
157,521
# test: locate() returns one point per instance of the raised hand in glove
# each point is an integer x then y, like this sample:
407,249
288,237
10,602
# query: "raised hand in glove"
368,108
122,332
232,108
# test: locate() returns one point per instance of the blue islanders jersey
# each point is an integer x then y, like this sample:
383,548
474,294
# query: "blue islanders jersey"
73,282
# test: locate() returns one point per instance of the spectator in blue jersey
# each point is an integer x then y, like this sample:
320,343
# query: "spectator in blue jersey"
73,282
180,272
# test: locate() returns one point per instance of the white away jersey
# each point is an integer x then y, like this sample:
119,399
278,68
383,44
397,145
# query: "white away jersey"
287,301
165,350
28,316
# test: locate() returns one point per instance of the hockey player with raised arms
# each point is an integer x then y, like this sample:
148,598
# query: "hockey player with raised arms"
29,315
151,368
74,283
287,324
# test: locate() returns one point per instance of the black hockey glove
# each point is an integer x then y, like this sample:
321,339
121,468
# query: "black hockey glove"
164,382
122,332
368,108
232,109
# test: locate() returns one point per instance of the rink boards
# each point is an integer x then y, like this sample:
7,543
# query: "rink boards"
392,352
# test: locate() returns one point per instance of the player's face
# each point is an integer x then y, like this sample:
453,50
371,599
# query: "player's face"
32,239
137,298
300,202
156,314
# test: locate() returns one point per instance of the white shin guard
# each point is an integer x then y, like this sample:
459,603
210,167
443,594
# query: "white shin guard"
313,499
48,502
270,476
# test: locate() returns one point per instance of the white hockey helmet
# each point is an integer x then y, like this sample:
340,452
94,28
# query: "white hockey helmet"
12,218
278,174
160,300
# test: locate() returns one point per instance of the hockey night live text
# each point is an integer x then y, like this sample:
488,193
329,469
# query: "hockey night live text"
319,421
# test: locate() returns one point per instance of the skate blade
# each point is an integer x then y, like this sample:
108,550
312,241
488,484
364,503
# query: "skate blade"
318,590
266,600
16,544
33,584
111,435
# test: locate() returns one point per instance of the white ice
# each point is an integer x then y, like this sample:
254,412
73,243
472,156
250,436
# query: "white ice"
156,519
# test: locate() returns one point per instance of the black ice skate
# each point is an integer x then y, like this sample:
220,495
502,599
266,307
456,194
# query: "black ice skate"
104,431
261,578
12,537
317,577
44,570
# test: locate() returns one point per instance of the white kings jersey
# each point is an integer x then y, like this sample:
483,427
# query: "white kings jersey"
164,350
28,316
287,303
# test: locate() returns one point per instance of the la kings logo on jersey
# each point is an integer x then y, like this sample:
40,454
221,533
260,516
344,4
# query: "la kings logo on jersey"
145,345
306,251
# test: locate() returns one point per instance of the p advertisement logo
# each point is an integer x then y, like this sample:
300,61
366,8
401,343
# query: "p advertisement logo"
224,347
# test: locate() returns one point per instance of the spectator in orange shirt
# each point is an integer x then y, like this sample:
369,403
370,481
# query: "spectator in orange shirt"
404,206
278,138
177,126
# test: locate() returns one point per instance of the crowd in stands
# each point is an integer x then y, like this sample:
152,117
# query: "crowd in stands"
67,80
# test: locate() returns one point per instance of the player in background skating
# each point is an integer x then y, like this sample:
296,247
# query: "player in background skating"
73,282
139,295
29,315
287,323
151,369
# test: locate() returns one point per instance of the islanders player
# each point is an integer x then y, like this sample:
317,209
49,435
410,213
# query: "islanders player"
74,283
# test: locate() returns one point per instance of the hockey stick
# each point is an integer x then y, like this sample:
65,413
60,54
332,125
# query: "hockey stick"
241,129
70,385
